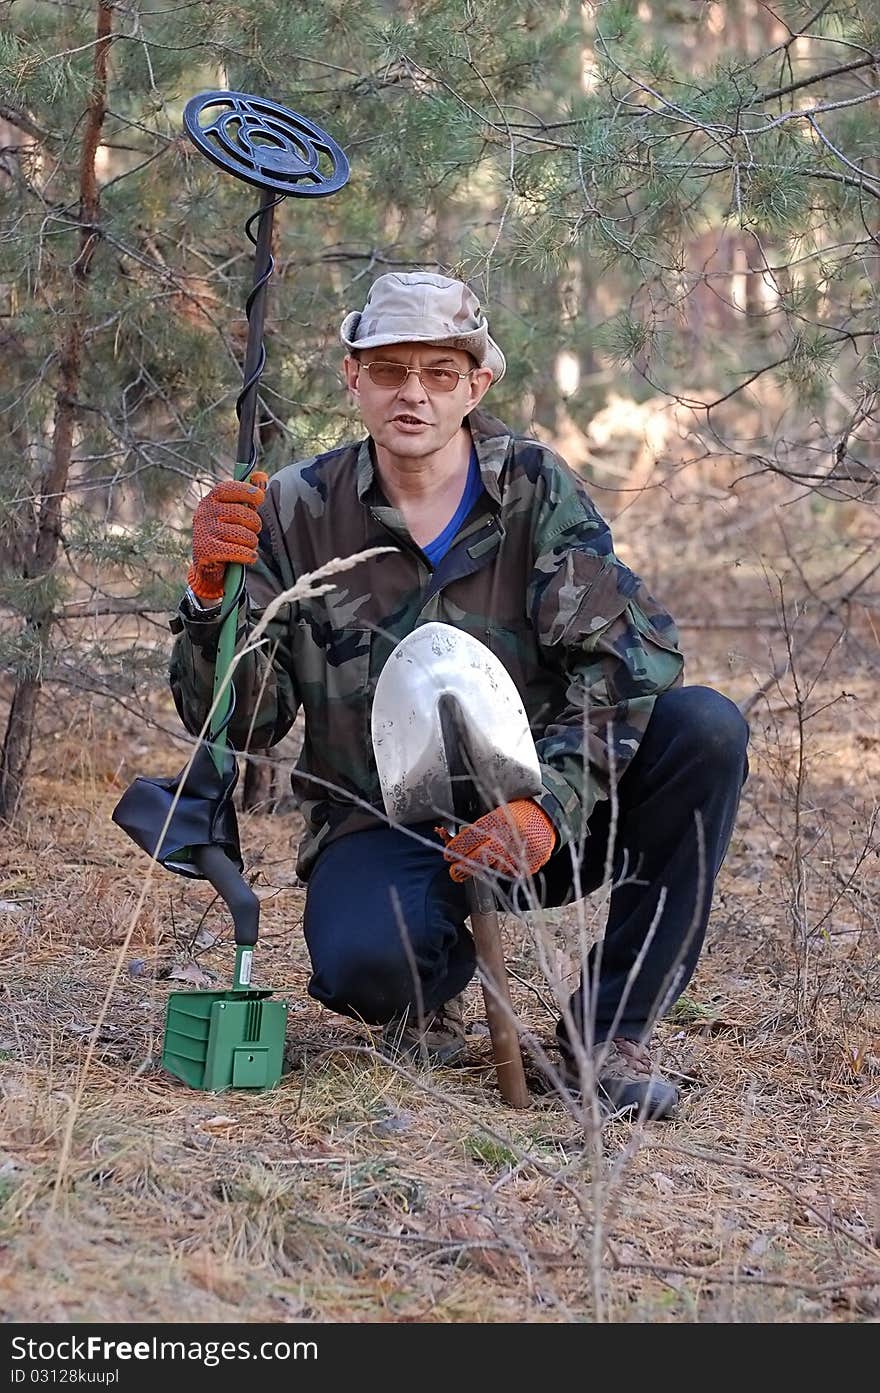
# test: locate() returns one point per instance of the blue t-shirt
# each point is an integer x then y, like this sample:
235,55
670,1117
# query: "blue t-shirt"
436,550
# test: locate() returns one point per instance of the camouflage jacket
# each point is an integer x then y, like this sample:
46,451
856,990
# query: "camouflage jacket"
531,573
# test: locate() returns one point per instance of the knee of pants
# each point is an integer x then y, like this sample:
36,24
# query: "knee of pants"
710,724
372,987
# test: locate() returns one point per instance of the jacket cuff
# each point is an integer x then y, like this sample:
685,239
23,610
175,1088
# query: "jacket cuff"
562,805
199,622
198,609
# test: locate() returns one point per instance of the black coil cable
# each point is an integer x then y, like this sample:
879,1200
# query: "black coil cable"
249,388
252,382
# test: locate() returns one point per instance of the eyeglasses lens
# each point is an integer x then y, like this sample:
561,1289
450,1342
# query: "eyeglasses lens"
395,374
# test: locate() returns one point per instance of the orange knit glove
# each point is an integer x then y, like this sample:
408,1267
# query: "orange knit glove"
226,526
515,839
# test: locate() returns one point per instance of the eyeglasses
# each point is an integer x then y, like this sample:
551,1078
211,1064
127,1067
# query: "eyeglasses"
432,379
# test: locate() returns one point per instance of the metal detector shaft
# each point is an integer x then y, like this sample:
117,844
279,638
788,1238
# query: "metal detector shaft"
254,358
212,860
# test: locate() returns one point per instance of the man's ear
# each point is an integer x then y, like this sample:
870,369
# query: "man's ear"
478,385
351,368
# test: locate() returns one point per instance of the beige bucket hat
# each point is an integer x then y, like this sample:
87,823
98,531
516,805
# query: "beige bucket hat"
421,307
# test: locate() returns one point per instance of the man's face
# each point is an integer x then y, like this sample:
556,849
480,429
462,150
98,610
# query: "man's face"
412,420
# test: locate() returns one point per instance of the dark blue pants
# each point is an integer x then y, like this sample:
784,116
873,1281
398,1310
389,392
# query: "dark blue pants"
385,924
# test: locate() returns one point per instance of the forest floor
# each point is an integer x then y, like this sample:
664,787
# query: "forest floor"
360,1190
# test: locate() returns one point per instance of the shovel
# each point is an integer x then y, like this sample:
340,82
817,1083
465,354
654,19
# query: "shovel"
230,1039
452,740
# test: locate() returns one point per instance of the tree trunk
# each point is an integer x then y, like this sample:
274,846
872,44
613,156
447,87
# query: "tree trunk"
53,485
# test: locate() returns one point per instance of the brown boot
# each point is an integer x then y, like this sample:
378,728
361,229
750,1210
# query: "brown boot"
439,1035
627,1079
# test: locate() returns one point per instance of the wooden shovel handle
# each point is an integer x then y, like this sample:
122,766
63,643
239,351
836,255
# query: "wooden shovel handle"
496,994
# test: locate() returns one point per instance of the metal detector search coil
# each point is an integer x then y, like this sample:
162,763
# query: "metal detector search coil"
265,144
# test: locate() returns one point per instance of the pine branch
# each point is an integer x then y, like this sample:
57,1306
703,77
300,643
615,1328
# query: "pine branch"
777,363
868,62
23,122
76,609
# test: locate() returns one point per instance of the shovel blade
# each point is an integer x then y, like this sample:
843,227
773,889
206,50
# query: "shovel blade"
446,711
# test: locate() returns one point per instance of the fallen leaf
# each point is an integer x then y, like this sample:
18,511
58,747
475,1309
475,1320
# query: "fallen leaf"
759,1245
193,974
392,1123
481,1247
663,1183
626,1252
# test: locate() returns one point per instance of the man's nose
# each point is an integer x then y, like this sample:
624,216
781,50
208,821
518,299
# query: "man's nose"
412,388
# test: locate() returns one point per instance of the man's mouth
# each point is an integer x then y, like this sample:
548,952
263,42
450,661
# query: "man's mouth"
404,419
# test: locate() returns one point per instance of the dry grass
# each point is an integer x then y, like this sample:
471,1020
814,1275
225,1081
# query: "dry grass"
362,1191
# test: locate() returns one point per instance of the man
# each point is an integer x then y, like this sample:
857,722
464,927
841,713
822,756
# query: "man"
494,534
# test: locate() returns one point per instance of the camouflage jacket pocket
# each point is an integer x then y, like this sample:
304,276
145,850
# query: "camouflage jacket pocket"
656,664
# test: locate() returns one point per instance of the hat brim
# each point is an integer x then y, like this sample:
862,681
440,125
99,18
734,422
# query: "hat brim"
479,343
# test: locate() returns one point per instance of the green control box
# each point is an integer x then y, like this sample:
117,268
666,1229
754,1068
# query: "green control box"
218,1040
